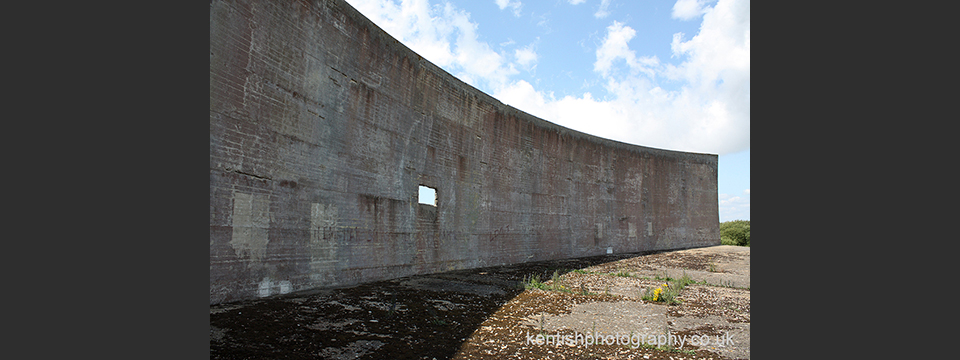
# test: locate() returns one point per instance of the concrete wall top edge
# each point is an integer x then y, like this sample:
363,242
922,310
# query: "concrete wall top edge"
508,109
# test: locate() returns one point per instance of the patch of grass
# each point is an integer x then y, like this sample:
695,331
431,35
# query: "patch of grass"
730,284
723,283
622,273
555,283
662,278
684,281
669,348
668,292
533,282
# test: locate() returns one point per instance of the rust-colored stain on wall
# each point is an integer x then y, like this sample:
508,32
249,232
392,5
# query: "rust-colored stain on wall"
323,128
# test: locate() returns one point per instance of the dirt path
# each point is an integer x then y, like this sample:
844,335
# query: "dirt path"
486,313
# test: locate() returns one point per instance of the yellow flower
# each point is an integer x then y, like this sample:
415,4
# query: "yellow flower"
656,294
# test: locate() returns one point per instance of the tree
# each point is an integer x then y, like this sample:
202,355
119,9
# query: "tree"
736,232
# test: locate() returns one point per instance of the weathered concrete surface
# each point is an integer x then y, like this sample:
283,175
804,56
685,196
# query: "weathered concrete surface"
487,313
322,128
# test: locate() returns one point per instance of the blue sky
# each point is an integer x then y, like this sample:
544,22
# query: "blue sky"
666,74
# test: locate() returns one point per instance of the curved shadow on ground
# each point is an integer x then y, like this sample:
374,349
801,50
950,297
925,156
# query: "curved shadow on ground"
424,316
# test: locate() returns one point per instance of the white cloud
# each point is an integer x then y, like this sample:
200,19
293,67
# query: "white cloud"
615,47
569,111
526,57
602,10
575,2
413,22
515,5
444,35
733,208
729,201
723,44
747,191
544,23
688,9
709,111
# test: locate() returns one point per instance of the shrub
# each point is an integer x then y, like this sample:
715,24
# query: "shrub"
725,240
736,232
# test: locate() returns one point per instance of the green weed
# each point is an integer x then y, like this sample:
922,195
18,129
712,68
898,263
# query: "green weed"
668,291
555,283
622,273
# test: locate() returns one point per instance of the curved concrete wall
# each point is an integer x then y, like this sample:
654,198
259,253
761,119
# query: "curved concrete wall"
322,128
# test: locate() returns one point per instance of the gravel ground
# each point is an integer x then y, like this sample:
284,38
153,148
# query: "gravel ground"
487,313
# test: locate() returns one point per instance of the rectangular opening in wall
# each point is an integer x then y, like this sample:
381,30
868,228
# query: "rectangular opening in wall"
428,195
